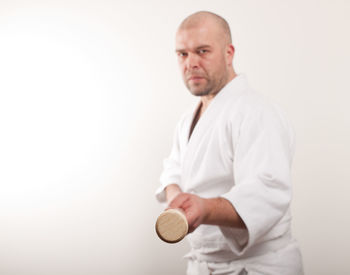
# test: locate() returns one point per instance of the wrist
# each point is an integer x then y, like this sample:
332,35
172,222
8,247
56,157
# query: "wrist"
207,210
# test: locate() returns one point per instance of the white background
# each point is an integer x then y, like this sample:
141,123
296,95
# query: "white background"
90,93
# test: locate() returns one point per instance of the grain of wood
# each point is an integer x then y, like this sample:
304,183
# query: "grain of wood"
172,226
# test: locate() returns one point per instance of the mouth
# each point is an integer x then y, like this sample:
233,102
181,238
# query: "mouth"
195,78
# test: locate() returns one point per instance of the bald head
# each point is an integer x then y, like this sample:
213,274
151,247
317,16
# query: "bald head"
195,20
205,53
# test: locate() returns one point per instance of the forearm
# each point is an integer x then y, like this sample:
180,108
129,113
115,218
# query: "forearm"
214,211
219,211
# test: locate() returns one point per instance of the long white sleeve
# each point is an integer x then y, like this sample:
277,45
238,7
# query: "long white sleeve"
263,152
171,173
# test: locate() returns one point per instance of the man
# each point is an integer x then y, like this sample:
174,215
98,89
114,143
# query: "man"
229,168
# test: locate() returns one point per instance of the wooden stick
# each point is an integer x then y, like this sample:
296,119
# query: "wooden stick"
172,226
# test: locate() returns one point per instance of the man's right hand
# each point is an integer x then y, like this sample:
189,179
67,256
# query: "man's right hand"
195,209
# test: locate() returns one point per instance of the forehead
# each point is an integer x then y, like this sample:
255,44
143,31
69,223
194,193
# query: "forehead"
190,38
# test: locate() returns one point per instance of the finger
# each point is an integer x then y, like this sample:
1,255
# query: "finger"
193,226
178,201
188,205
191,216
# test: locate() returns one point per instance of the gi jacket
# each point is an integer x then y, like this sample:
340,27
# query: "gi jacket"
241,149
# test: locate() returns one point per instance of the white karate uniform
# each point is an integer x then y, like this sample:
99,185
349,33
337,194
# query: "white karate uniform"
241,149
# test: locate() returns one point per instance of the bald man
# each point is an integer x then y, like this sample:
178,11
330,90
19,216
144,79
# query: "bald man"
229,167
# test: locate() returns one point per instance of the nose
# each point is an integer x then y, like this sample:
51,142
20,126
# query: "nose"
192,61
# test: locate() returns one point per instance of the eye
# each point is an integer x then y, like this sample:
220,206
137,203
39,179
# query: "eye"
182,54
202,51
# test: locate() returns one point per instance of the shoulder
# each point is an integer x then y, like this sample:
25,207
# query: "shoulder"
254,109
254,104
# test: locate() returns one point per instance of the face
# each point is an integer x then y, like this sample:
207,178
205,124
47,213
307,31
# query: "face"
203,59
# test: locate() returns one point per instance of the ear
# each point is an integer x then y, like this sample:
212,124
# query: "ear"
230,51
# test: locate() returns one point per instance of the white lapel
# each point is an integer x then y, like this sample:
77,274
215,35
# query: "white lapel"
231,91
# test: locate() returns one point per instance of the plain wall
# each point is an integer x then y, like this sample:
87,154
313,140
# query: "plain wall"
90,93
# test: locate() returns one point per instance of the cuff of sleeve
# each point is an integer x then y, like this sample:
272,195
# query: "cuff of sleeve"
238,239
160,194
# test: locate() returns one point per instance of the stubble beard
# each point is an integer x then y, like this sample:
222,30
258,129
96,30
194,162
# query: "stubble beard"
211,87
199,91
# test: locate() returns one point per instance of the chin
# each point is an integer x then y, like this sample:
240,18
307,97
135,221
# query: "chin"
199,92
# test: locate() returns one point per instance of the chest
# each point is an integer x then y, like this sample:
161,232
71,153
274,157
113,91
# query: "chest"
206,156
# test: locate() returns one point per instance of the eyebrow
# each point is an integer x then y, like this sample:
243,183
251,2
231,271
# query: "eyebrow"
197,48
